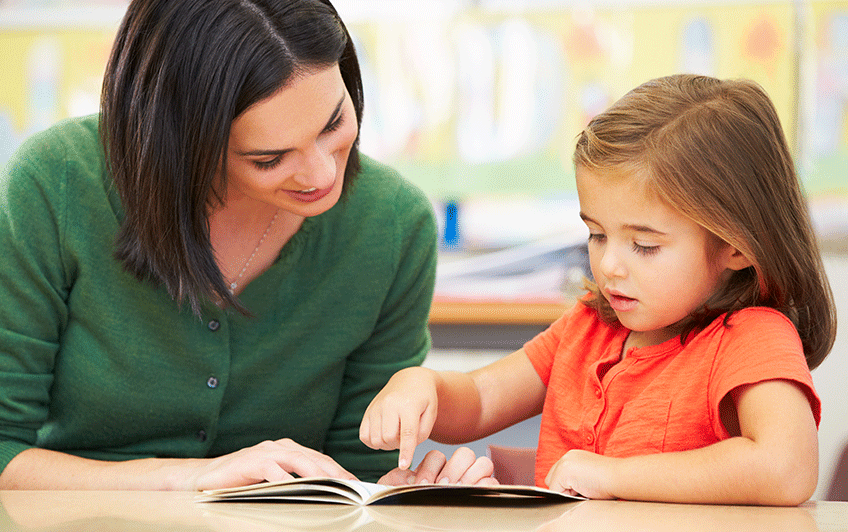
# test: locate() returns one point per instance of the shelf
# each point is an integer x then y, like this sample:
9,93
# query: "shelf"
486,312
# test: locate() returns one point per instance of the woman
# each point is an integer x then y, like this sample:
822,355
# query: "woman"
205,285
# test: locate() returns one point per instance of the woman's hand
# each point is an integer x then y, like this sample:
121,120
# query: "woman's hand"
583,473
402,415
463,468
269,460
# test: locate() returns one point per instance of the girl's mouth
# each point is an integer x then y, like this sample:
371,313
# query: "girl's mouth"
621,303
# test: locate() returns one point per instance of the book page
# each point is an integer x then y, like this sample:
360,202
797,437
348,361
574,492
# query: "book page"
363,493
299,489
469,494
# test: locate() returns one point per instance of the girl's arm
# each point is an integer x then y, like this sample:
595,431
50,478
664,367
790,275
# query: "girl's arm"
774,460
451,407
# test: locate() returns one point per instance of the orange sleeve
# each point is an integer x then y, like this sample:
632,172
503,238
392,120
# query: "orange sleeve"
542,349
760,344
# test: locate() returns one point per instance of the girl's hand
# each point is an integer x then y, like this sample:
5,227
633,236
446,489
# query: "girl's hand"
462,468
583,473
269,460
403,413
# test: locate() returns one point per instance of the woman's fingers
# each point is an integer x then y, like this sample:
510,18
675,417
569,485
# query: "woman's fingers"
465,468
269,460
430,467
303,461
480,472
462,468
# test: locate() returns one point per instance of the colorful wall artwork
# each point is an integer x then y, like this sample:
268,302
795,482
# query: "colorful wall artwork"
472,101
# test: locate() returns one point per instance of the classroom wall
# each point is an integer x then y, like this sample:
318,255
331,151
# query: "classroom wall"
478,101
472,98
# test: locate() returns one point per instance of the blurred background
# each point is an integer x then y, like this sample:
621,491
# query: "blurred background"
478,102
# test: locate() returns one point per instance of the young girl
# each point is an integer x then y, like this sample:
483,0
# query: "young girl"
684,374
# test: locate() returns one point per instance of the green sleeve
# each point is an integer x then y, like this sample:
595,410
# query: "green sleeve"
400,338
33,288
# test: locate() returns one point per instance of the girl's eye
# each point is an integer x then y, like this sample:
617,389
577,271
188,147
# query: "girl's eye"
597,237
268,165
645,250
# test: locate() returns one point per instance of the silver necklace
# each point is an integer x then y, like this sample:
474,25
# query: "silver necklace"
235,283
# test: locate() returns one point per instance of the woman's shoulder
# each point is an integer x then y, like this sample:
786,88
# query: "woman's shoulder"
380,193
377,181
69,145
77,134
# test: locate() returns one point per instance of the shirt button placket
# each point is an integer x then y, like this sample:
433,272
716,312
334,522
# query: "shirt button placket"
212,381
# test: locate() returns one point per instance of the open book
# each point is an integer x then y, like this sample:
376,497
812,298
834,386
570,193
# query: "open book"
354,492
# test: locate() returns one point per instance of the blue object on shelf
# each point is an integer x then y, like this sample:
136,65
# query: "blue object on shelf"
451,238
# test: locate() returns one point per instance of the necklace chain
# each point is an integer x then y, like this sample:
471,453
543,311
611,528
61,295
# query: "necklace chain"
235,283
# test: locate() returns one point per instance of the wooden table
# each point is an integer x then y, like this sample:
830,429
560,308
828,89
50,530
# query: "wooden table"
490,324
126,511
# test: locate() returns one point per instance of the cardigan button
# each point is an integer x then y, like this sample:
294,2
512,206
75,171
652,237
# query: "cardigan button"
214,325
201,435
212,382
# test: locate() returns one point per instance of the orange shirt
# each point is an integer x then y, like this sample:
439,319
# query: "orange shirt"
656,399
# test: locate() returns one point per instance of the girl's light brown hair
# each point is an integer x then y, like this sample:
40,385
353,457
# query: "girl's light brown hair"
715,151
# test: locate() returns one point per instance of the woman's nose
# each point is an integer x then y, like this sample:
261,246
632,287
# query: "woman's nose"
319,168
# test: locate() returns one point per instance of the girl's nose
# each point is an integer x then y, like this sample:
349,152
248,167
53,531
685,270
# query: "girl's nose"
611,264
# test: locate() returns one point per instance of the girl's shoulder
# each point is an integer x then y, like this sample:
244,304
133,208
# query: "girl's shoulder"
757,320
757,333
757,344
581,326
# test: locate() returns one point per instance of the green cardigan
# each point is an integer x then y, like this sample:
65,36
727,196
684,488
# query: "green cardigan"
97,364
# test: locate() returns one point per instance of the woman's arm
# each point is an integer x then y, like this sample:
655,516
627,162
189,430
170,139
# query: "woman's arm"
773,462
270,460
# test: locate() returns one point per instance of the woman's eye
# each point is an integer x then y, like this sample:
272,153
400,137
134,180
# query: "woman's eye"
335,124
597,237
645,250
268,165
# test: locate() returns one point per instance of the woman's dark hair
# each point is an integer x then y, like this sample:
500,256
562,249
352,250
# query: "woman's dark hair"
180,72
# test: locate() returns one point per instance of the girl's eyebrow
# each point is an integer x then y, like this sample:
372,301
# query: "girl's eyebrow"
644,229
629,227
263,153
